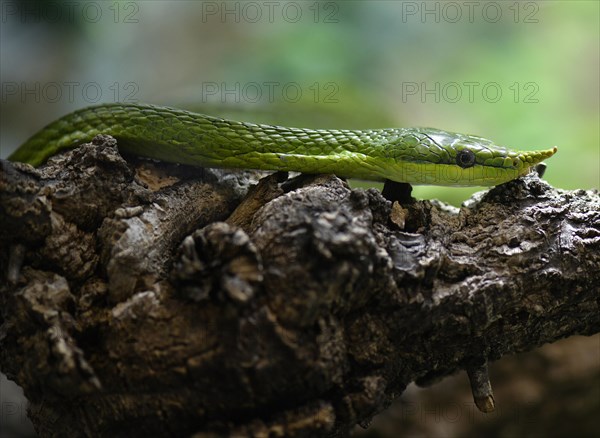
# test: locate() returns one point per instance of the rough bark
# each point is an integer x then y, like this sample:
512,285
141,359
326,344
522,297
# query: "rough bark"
143,298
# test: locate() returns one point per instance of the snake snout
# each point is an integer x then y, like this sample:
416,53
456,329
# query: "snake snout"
537,157
532,158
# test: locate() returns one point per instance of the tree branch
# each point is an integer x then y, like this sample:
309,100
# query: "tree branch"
142,297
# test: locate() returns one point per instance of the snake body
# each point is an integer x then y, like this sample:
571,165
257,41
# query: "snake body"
410,155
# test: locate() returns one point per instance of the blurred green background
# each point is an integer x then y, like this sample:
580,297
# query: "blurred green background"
525,74
522,74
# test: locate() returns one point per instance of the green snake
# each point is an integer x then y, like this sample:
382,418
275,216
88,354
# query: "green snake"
408,155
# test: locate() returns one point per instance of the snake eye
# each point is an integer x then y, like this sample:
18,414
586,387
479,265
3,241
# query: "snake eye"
465,158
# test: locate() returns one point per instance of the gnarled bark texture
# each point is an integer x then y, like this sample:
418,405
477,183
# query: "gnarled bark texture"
144,298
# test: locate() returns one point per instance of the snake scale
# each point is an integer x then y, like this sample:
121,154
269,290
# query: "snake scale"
409,155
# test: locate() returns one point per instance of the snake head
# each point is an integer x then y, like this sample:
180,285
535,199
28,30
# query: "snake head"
452,159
